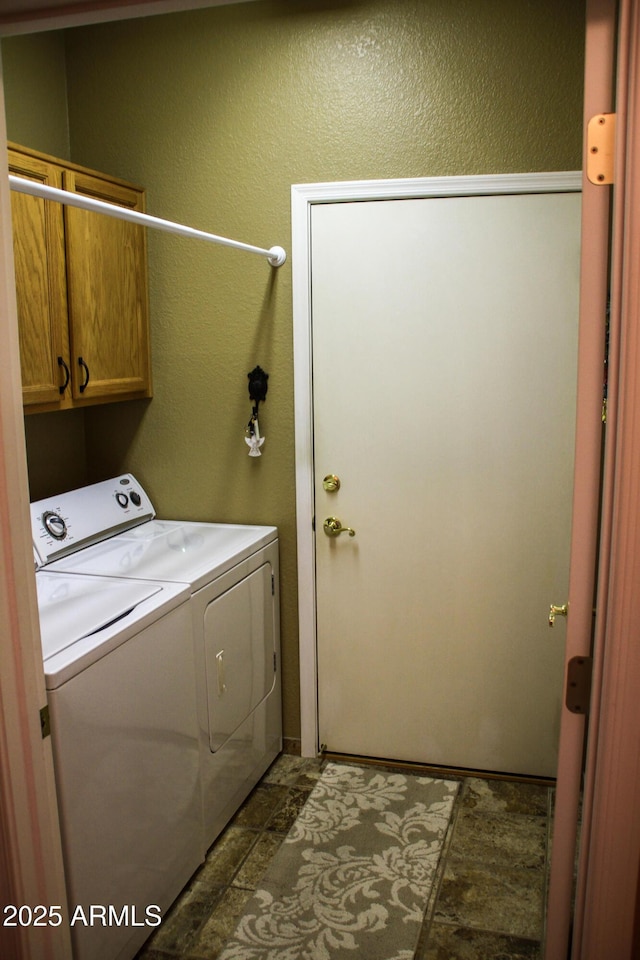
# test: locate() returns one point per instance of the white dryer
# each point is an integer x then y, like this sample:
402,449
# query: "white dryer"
232,574
120,672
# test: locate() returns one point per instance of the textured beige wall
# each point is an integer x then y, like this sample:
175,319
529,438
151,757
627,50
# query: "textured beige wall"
35,89
217,112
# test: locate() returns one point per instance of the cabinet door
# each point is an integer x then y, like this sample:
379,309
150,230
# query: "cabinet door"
107,294
38,245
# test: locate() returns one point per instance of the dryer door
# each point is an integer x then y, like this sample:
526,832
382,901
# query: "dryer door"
239,641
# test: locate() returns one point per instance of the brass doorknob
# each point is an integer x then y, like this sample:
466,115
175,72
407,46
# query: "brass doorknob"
333,528
557,612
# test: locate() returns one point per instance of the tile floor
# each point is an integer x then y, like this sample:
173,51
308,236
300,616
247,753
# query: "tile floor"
488,899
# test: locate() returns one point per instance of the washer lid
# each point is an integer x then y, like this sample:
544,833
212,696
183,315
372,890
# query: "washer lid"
82,618
74,607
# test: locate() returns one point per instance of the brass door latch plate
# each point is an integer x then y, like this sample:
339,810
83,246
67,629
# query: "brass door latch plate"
578,691
601,138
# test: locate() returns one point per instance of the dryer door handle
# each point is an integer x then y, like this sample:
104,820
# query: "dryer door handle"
220,671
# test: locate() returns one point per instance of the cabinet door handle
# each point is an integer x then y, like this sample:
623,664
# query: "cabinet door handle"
82,364
67,375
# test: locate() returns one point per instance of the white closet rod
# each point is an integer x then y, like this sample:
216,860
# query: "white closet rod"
275,255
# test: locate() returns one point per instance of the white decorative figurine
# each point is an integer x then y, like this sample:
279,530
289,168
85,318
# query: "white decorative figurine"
254,441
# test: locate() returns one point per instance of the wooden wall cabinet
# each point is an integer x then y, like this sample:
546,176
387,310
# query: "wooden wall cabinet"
81,287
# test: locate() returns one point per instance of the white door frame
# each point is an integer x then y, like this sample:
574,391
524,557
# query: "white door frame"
303,197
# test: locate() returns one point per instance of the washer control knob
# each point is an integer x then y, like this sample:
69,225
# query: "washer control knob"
136,499
122,500
54,525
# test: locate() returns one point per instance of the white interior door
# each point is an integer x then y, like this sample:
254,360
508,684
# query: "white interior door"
444,344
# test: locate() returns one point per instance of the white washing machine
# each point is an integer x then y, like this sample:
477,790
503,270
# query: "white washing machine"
232,574
120,673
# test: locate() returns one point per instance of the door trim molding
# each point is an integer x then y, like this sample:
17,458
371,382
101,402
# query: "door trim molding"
303,197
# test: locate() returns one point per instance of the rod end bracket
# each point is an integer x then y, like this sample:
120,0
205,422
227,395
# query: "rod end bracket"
277,256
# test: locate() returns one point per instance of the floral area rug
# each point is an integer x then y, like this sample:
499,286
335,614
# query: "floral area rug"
353,876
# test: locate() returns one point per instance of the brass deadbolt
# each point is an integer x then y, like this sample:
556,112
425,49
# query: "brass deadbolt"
331,483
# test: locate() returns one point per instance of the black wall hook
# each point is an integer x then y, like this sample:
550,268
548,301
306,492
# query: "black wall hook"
257,387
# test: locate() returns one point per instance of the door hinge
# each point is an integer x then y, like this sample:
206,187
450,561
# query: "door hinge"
45,721
601,142
578,692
